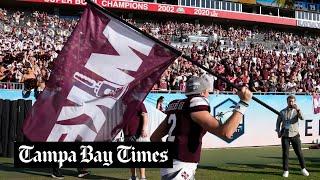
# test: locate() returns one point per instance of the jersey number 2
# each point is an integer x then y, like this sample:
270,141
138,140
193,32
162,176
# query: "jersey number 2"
172,119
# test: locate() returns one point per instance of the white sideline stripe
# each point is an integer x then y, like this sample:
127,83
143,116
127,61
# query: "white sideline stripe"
301,149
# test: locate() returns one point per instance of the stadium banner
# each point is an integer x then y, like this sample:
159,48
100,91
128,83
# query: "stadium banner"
308,23
245,1
12,95
104,71
175,9
259,124
298,5
316,104
268,3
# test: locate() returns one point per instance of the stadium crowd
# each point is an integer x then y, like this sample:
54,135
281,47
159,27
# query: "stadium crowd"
265,60
29,43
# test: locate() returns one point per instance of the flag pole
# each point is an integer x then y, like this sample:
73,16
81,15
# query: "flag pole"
179,53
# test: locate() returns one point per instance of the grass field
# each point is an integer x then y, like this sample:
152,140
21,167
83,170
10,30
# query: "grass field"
233,163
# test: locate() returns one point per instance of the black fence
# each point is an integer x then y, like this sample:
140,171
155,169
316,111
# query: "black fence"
12,115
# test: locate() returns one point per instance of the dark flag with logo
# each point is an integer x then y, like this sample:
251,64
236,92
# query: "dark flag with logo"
103,68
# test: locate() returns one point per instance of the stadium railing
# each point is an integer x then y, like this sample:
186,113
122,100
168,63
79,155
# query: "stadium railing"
11,85
231,92
20,86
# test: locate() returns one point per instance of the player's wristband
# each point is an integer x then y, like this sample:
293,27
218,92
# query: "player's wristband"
241,107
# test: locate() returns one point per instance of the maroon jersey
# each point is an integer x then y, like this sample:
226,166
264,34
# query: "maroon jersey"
133,126
184,132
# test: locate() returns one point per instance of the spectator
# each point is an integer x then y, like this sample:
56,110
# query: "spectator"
29,80
160,103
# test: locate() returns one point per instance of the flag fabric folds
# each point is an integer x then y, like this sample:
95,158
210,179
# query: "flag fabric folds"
103,71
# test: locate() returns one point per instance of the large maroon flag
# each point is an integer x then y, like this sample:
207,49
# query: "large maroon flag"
104,68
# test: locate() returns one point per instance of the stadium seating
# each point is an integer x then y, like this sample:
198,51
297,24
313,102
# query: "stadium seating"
263,59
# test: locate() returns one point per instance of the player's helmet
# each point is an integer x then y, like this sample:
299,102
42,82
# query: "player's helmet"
196,85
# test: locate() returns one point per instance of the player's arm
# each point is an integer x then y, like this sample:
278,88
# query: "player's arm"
161,131
144,130
211,124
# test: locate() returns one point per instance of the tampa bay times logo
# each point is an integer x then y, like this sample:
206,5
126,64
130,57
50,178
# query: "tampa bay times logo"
93,154
222,112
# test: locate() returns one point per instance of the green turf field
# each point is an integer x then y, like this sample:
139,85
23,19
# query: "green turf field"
234,163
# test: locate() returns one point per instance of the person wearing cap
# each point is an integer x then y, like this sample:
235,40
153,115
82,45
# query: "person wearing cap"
188,120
